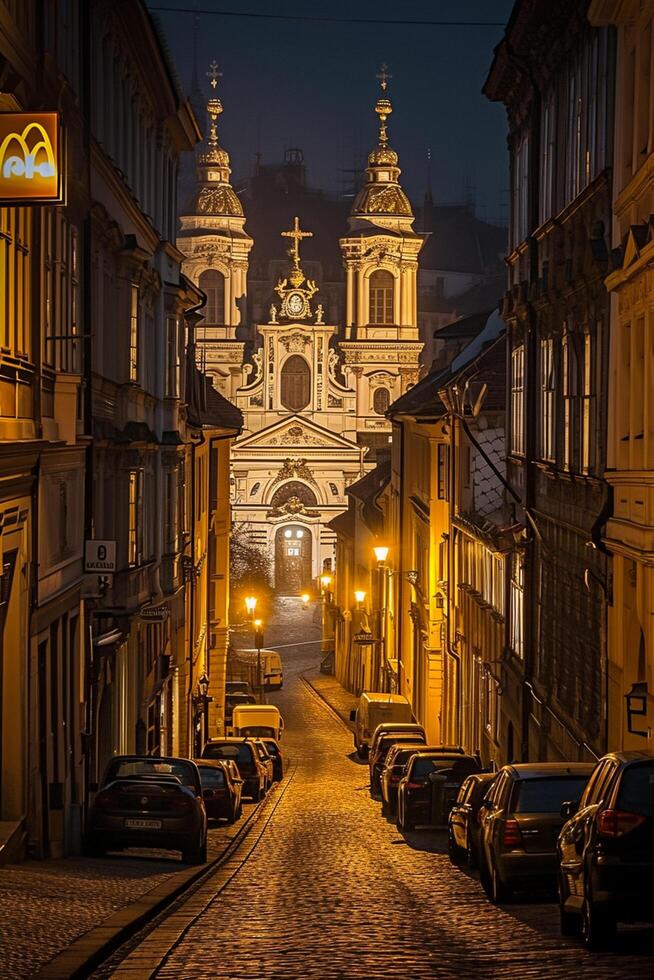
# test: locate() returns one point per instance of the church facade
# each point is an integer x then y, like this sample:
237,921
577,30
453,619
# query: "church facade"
313,394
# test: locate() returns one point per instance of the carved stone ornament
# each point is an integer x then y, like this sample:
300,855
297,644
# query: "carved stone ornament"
219,200
386,200
292,507
295,342
295,435
294,469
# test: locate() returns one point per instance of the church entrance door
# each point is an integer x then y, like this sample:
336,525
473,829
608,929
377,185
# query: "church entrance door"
292,559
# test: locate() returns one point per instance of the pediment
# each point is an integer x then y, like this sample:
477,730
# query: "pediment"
296,433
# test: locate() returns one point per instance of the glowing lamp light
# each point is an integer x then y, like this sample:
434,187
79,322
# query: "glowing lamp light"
258,623
381,553
305,598
299,534
325,581
360,596
250,603
288,534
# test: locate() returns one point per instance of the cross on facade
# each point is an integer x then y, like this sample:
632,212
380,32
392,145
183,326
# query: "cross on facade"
297,235
213,74
384,77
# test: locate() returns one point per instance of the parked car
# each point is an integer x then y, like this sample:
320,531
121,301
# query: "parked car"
399,728
373,709
606,849
463,822
277,757
149,801
414,791
270,664
266,759
394,768
221,791
238,687
377,758
521,820
244,753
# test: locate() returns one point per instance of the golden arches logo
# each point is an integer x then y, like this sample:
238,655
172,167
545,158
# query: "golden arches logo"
25,162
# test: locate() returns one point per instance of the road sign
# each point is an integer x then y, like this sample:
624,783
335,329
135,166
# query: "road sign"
100,556
154,614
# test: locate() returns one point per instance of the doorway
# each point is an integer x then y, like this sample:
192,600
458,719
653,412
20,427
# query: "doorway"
292,559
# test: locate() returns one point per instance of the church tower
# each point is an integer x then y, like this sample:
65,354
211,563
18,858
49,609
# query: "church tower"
216,249
381,348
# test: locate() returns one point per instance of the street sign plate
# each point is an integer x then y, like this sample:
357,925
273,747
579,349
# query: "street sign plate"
154,614
100,556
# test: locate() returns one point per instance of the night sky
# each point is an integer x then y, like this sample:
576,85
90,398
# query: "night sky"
294,83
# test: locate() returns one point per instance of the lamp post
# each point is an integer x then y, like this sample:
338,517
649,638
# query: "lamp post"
258,642
381,554
325,590
201,701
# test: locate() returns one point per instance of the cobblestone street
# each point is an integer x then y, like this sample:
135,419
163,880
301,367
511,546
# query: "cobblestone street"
334,890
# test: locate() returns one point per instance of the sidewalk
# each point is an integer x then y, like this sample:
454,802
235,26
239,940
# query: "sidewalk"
327,687
45,906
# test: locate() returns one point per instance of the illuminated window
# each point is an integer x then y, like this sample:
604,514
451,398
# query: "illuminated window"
173,359
547,403
134,335
381,297
381,400
517,400
516,638
134,522
212,283
288,534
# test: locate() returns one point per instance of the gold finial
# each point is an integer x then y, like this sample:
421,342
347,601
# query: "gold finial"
296,234
214,74
384,77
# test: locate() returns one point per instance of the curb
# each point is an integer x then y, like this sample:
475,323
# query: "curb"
345,721
92,948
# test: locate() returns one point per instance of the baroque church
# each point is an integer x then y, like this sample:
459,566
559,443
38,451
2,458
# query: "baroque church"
313,394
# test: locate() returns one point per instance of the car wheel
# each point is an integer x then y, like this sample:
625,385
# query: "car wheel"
500,891
598,927
455,853
196,854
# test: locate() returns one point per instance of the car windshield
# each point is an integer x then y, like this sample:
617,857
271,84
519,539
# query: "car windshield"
151,768
211,778
637,789
547,795
255,731
423,767
400,758
239,753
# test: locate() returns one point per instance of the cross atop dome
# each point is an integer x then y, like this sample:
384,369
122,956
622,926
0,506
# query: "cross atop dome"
384,77
295,297
297,235
214,74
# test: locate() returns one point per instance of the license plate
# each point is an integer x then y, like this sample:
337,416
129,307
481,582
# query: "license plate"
143,824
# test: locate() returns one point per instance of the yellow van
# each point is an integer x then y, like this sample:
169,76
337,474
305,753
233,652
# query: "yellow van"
257,721
376,708
272,673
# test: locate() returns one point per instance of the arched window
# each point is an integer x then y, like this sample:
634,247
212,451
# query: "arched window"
294,488
381,400
381,297
213,284
296,383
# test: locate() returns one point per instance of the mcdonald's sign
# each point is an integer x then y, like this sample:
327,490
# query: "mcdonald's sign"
30,158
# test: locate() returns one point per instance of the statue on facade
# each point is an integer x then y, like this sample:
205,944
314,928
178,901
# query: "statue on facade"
273,313
319,313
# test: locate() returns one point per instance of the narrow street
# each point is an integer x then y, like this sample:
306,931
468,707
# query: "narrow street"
334,890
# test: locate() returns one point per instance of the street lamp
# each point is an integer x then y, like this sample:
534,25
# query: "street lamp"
258,642
360,596
381,553
325,581
250,604
305,599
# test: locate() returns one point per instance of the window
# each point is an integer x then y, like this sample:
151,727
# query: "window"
173,359
134,334
255,489
517,400
295,383
212,283
498,584
516,638
334,489
134,518
171,529
548,142
381,297
520,212
381,399
547,402
15,279
586,405
442,471
569,369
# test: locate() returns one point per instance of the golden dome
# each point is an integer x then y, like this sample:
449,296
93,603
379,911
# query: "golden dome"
382,156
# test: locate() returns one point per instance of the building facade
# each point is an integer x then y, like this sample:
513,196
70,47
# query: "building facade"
313,394
554,72
629,532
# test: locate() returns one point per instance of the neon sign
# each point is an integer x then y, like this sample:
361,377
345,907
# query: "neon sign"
30,158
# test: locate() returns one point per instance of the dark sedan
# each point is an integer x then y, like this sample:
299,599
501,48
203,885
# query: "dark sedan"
521,820
245,754
394,768
428,789
221,791
148,801
606,849
277,756
463,823
377,756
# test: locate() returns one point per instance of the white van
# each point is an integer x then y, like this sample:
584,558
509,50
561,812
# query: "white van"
272,674
376,709
257,721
